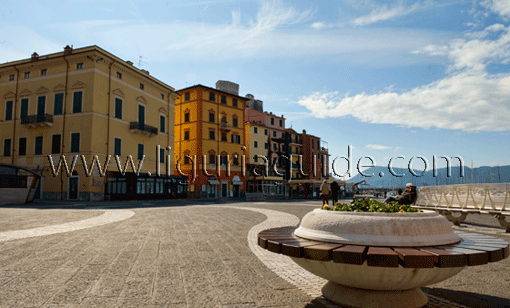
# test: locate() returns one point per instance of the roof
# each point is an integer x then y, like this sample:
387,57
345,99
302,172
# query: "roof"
84,50
214,89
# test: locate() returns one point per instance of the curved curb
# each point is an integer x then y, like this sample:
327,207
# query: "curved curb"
106,218
281,265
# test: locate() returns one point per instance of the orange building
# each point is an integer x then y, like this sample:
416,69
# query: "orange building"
210,140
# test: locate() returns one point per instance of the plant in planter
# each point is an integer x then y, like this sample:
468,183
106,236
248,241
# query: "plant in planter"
375,224
369,205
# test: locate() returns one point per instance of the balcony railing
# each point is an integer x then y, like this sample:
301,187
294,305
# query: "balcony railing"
38,120
225,126
143,128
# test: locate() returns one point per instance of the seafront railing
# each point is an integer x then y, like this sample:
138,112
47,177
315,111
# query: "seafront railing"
484,198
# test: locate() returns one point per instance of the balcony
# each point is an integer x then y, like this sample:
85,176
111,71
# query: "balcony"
142,128
39,120
225,126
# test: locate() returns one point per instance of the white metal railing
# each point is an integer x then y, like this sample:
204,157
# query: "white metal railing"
493,197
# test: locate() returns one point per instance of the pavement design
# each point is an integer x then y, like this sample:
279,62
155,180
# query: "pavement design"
106,218
188,255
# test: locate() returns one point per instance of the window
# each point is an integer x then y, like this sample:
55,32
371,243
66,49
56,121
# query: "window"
272,121
55,144
11,77
161,156
7,147
223,99
27,75
22,147
38,145
211,117
223,160
142,86
212,134
186,96
141,116
266,145
234,122
224,136
162,96
212,158
236,138
186,135
236,160
117,147
265,132
211,97
44,72
275,147
186,117
140,151
255,158
77,101
118,108
162,125
255,130
281,123
224,119
119,75
274,134
234,102
8,110
75,142
41,105
24,108
255,144
58,104
79,66
186,159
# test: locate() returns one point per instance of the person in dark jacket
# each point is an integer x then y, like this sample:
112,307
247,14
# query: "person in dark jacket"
335,188
409,195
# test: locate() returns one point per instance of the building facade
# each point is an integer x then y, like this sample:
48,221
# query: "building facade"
310,163
86,103
210,140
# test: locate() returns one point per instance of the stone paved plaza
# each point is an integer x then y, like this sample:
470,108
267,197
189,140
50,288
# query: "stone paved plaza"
161,254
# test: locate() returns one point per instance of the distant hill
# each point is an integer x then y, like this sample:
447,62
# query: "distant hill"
483,174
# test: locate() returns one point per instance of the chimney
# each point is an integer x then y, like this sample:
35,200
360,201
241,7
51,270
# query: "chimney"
68,50
304,132
129,62
35,56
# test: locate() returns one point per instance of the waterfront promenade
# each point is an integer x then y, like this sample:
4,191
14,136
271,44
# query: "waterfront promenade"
185,253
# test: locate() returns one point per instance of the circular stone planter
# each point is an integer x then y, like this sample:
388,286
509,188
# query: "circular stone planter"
377,229
368,286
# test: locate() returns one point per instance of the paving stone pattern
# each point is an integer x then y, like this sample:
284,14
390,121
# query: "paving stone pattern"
164,257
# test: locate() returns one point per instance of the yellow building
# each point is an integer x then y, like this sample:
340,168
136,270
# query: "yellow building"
87,102
209,132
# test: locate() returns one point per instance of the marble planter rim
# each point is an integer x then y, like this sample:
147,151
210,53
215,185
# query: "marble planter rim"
377,229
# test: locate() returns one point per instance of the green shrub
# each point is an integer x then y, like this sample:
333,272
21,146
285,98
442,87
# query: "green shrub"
368,205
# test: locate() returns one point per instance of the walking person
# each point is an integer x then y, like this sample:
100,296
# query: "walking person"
335,189
325,191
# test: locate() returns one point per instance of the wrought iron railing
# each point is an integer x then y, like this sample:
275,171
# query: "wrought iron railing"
38,118
143,127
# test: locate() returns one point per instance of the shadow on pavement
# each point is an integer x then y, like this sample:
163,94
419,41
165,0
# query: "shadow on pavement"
469,299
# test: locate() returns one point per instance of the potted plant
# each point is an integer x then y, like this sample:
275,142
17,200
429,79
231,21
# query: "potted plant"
376,224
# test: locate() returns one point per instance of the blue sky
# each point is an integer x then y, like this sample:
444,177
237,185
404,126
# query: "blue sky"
410,78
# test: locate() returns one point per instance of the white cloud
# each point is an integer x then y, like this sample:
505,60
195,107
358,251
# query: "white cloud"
470,99
384,12
377,147
500,7
272,33
318,25
20,42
